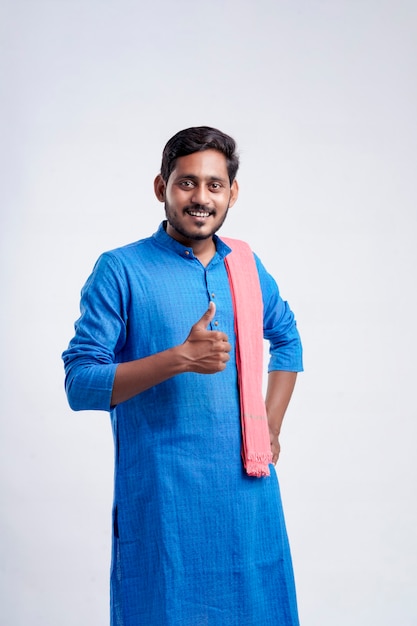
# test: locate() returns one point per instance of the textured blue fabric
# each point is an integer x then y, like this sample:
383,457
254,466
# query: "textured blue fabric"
195,540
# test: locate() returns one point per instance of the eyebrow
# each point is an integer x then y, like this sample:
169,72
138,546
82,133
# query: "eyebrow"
196,178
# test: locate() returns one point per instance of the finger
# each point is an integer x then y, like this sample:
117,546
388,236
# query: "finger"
222,344
204,321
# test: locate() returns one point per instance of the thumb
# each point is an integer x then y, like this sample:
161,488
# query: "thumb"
204,321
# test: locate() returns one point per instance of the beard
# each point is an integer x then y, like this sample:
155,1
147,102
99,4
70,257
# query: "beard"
177,224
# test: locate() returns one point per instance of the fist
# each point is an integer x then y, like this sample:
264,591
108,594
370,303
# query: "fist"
207,351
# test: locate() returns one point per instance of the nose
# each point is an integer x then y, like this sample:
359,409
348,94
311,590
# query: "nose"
200,195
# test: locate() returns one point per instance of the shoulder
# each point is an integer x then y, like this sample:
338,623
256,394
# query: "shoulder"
124,255
235,244
129,249
237,250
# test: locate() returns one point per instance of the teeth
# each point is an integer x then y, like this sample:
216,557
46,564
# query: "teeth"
198,214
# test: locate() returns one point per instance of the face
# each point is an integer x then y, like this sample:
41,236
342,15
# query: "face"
197,196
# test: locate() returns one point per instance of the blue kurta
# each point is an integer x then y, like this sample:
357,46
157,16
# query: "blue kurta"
195,540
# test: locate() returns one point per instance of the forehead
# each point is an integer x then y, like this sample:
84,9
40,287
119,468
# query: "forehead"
205,164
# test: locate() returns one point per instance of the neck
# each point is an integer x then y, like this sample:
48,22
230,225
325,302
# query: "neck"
204,253
203,249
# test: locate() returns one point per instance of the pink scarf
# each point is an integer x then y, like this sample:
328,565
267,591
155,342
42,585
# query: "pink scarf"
248,309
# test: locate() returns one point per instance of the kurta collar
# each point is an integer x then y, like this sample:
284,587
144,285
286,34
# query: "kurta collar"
164,240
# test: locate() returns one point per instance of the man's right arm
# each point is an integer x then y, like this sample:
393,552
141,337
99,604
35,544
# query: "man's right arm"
203,352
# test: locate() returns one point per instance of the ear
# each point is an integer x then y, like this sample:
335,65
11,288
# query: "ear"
159,188
234,192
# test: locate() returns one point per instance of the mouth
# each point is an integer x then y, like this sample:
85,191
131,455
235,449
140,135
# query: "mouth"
199,213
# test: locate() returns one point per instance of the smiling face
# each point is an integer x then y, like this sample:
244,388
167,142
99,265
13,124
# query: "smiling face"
197,196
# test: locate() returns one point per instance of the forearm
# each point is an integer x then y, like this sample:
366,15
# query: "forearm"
133,377
279,391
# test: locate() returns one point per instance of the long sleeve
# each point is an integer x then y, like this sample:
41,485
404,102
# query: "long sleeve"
100,332
280,327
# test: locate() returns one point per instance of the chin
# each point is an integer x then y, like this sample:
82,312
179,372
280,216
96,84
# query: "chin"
195,235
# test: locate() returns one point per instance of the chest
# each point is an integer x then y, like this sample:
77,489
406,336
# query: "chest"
166,300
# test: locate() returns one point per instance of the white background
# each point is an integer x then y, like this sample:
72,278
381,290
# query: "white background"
321,98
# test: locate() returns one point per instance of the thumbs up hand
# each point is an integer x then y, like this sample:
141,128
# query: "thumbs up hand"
206,351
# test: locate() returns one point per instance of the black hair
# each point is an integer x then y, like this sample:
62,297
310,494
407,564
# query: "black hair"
197,139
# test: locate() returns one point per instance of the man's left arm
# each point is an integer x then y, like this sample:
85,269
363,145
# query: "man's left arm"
280,330
279,391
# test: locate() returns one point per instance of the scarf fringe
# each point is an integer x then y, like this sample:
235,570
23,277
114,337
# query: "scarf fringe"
258,468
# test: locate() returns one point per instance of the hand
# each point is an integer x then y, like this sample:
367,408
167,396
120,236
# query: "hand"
275,446
207,351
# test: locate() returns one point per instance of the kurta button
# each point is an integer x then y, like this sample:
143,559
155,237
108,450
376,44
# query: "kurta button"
216,323
213,295
187,252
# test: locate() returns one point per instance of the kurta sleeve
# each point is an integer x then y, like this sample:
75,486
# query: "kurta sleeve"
100,332
280,327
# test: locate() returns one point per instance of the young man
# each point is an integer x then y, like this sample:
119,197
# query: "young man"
197,537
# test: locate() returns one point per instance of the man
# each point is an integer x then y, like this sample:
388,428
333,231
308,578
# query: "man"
196,539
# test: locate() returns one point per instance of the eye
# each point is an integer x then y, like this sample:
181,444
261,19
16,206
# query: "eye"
186,184
215,186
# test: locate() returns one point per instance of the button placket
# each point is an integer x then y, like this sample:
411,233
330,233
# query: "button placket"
212,296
